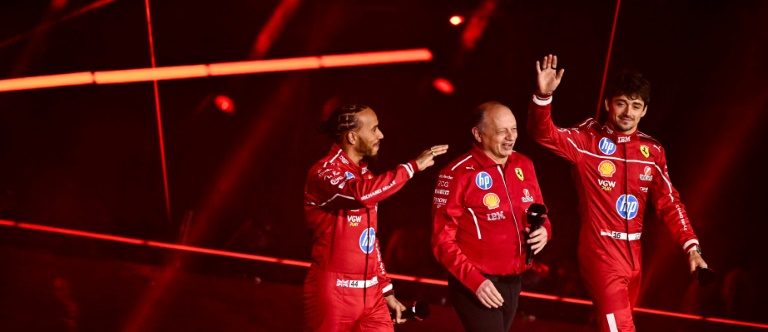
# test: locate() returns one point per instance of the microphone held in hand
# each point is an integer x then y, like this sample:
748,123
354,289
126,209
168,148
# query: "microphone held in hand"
704,276
418,311
535,215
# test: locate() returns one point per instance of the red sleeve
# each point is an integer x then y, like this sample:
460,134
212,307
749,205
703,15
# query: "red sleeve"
386,283
330,187
563,142
447,210
669,208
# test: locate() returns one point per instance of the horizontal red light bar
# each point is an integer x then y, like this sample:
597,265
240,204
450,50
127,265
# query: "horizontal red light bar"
540,296
577,301
373,58
48,81
306,264
80,233
263,66
149,74
667,313
735,322
215,69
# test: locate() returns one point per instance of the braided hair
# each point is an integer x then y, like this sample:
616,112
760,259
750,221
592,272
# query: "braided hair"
342,120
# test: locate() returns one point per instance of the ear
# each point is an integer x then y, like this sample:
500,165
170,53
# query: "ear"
645,109
476,134
607,102
351,137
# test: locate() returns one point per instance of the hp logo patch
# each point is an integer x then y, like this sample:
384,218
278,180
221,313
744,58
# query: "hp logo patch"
607,146
627,206
483,181
349,175
367,239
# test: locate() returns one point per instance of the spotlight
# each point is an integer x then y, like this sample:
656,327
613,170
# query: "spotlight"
225,104
443,85
457,19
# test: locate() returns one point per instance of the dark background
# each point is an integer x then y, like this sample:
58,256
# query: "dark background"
88,157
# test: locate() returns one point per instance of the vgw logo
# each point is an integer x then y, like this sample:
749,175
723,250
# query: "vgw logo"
627,206
367,239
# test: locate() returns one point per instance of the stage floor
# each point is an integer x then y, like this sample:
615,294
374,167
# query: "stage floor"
47,291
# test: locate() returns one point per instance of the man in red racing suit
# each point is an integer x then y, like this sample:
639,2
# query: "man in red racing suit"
346,288
479,222
617,171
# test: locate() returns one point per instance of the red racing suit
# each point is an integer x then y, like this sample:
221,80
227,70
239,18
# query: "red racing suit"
347,282
478,216
616,176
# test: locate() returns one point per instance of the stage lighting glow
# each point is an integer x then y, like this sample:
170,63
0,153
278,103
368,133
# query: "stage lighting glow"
225,104
443,85
457,19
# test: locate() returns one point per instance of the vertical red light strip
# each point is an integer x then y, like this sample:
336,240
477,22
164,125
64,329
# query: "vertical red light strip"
159,118
608,58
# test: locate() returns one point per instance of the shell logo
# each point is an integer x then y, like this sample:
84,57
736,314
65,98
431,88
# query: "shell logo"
606,168
491,200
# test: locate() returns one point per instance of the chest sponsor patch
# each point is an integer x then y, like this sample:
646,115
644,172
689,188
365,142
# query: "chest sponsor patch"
624,139
491,200
336,180
483,181
607,146
519,173
606,168
606,185
527,198
647,174
495,216
349,175
645,151
367,240
439,201
627,206
354,220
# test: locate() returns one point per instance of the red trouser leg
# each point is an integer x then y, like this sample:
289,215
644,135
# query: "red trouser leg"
615,293
331,308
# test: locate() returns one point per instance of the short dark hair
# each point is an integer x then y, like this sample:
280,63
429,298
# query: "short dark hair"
342,120
478,114
629,83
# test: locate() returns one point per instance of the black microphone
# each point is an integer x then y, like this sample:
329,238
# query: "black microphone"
535,216
704,276
418,311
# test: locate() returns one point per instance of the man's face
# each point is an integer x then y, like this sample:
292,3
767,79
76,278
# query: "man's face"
497,133
624,113
368,134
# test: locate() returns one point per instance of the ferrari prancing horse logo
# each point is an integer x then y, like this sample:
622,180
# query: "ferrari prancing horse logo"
644,150
519,173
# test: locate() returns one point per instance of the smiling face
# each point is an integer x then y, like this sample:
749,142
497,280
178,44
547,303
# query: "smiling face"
496,133
624,113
